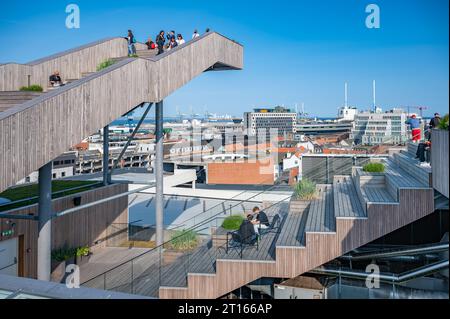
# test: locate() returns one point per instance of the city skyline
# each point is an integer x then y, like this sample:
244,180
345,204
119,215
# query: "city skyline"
313,48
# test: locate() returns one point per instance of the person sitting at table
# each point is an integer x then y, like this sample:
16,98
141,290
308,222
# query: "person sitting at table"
247,230
260,220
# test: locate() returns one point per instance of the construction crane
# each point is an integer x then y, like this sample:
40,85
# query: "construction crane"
420,108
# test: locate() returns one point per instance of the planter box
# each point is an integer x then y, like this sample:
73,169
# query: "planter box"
81,260
169,256
298,205
369,179
58,271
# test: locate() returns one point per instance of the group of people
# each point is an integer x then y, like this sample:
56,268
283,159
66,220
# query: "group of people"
416,130
253,224
424,147
173,40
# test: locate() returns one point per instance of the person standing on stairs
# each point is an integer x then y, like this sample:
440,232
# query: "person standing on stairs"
195,35
180,39
160,41
414,123
172,44
131,41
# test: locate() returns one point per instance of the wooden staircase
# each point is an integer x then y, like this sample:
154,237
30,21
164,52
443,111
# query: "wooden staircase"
8,99
342,218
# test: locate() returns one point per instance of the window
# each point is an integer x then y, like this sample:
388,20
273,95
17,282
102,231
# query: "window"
63,174
54,175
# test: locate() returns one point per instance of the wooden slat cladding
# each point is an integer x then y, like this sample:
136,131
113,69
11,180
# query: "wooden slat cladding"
84,227
351,233
38,131
70,64
439,160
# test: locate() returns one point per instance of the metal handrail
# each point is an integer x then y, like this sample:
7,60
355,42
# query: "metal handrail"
165,243
389,278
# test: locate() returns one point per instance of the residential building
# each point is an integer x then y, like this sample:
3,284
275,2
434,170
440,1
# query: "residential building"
278,118
372,128
63,166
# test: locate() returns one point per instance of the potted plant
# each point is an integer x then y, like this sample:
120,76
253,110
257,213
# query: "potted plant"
182,241
230,223
304,192
61,257
82,255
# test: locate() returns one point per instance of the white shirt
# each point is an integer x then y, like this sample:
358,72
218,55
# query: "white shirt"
180,42
195,35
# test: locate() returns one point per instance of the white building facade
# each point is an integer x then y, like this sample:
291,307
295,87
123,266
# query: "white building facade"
373,128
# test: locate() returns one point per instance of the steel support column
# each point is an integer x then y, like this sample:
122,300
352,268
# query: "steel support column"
45,225
159,196
131,137
106,175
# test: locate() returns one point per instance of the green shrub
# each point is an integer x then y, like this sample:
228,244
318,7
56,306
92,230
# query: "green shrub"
133,56
443,124
305,190
233,222
183,240
63,254
82,251
32,88
374,168
104,65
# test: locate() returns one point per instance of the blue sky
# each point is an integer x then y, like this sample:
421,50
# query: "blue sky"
295,51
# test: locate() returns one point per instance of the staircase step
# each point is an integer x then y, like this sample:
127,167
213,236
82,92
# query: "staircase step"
347,203
321,211
14,94
292,232
3,108
412,166
14,101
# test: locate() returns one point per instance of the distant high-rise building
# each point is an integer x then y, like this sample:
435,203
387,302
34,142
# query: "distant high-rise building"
280,118
372,128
